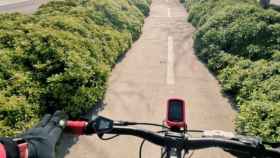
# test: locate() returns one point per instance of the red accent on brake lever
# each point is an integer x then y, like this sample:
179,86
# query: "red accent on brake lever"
76,127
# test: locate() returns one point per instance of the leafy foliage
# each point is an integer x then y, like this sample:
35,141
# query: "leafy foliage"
239,41
60,57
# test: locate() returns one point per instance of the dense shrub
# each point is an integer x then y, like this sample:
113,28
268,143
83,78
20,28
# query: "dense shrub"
239,41
60,57
260,118
143,5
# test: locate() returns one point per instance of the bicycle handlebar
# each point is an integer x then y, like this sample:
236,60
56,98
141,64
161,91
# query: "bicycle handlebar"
187,143
196,143
200,143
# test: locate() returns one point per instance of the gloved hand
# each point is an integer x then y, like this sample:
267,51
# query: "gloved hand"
43,138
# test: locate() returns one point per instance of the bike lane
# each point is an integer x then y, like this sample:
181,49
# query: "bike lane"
161,64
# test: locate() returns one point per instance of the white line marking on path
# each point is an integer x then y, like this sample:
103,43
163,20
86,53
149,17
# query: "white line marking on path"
168,12
170,62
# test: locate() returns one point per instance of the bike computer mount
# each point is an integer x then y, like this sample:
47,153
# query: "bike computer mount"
175,152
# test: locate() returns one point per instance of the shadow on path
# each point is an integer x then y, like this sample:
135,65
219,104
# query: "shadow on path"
68,140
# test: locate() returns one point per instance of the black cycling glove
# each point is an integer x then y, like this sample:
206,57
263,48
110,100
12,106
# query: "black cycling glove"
43,138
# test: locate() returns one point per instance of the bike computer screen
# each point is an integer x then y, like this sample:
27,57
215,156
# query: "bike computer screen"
176,110
103,125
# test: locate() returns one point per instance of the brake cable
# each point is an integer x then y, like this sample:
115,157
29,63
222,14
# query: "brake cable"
190,154
195,131
109,138
126,123
143,141
141,148
163,154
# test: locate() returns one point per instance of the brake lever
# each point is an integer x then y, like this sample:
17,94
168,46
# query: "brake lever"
252,141
273,145
255,142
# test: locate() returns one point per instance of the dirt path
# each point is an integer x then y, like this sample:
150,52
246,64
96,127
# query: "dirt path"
160,64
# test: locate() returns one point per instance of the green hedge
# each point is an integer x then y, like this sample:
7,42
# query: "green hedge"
60,57
240,43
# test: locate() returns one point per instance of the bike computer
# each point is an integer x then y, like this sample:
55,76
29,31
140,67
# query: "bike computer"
103,125
175,113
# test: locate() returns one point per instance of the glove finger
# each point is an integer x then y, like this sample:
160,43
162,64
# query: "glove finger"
54,121
59,115
44,121
55,134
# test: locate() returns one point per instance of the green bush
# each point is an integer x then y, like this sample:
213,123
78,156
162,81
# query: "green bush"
241,30
183,1
143,5
239,41
60,57
16,114
260,118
